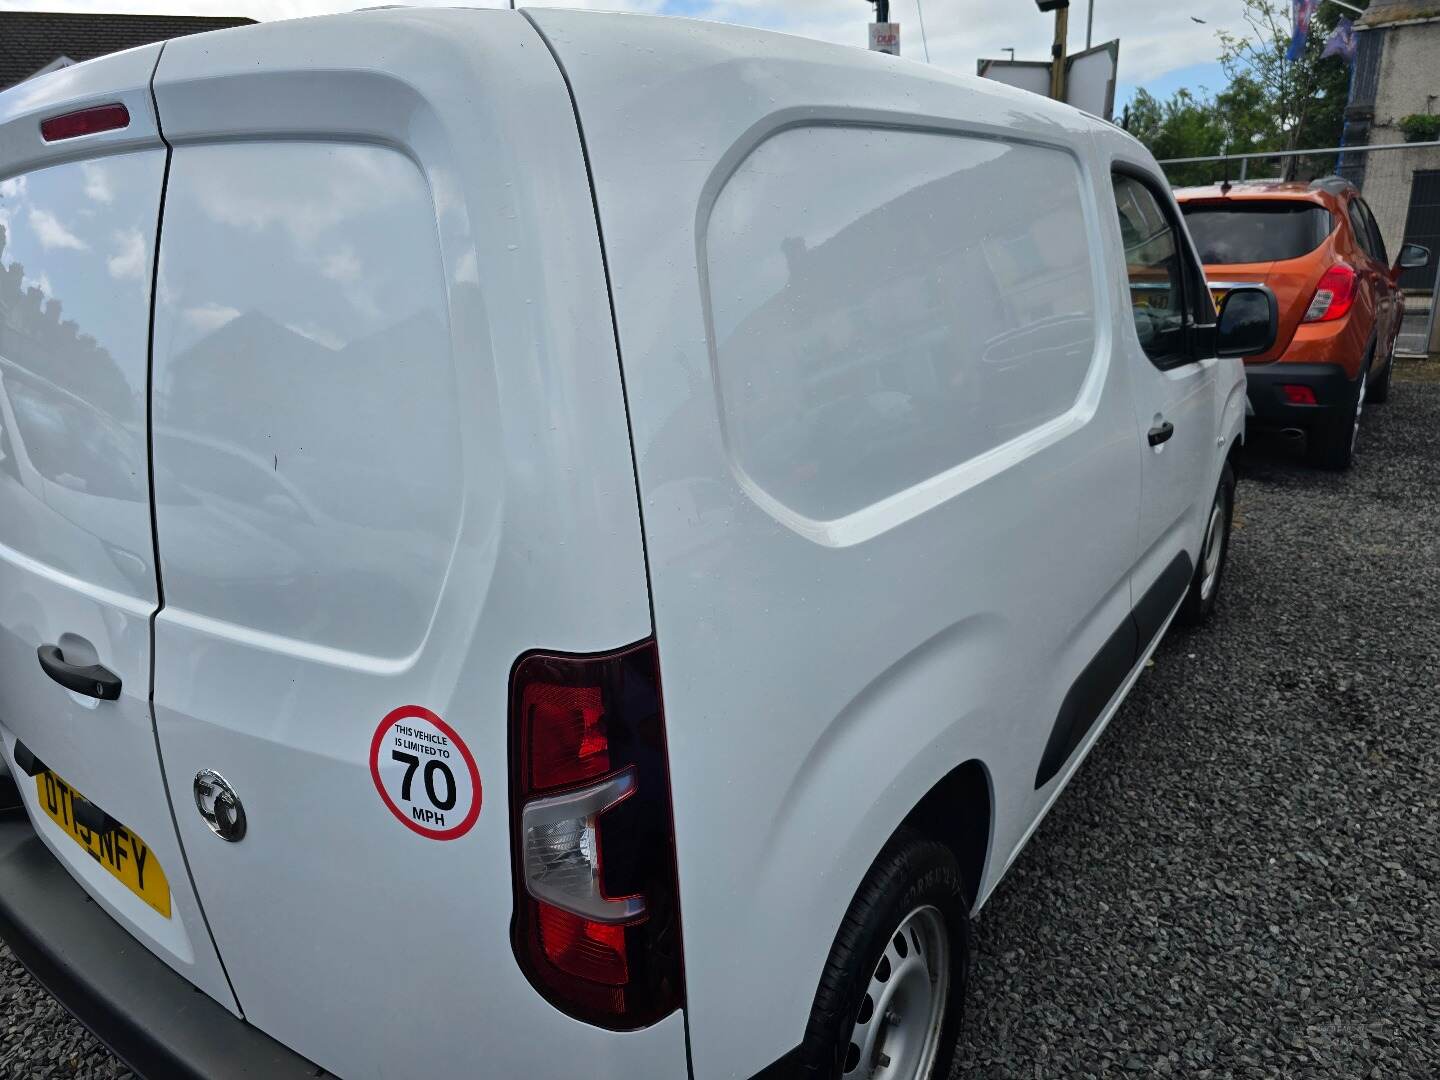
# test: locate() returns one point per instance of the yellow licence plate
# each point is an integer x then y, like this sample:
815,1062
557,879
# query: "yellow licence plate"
127,857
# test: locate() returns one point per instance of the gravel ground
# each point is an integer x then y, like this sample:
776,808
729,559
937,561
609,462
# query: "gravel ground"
1244,878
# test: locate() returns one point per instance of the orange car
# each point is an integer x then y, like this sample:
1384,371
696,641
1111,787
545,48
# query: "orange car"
1317,246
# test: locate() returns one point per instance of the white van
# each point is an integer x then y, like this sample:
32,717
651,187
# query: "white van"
391,404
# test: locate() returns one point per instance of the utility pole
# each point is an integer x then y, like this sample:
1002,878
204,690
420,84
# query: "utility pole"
884,35
1057,52
1089,24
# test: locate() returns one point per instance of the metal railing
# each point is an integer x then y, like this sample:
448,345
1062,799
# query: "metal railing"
1337,151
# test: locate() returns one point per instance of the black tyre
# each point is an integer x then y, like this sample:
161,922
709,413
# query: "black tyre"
1332,445
1380,392
892,993
1199,602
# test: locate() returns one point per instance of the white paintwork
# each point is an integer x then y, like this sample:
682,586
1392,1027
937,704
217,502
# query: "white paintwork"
391,455
76,550
1202,399
818,683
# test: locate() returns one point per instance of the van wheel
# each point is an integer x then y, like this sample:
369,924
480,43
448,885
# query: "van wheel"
1333,445
1199,602
892,993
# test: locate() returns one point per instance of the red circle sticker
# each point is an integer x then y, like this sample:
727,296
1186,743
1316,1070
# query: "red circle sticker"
425,773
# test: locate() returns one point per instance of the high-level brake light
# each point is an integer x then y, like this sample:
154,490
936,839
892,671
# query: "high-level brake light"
90,121
597,920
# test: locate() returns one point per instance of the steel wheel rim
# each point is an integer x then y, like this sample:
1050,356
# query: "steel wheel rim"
1214,544
1359,408
896,1034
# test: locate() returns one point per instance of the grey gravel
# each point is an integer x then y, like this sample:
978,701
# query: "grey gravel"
1244,878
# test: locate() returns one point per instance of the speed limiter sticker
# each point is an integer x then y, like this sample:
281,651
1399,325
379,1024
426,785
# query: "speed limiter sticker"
425,773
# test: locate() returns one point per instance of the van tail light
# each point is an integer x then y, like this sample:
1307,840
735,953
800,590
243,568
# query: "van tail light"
597,916
1334,296
85,122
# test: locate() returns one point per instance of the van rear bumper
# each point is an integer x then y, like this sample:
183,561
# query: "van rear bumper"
154,1020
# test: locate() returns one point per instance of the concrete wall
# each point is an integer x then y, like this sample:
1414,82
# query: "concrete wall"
1409,83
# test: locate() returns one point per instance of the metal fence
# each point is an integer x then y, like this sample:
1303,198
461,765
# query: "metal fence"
1401,184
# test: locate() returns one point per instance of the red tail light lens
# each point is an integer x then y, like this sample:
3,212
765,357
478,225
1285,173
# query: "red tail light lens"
589,950
1298,395
85,122
567,735
597,919
1334,296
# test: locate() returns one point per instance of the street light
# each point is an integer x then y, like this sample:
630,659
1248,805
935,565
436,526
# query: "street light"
1052,5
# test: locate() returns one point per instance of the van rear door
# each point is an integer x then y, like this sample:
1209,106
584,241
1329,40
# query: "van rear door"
391,457
78,213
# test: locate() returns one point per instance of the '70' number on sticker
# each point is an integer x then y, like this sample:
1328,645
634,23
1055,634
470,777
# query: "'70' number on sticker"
433,768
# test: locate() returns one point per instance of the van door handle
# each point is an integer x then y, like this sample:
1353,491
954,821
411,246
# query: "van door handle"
92,680
1161,433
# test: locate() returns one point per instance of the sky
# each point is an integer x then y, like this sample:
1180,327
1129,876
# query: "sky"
1161,46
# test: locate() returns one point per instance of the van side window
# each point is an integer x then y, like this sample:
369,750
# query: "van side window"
1155,263
888,305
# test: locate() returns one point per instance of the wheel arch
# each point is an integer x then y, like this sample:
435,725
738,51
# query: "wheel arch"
959,813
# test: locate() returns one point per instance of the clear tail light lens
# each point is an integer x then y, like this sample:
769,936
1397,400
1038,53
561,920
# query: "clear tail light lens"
597,919
1334,296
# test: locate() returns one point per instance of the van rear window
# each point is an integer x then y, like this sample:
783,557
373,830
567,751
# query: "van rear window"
1255,232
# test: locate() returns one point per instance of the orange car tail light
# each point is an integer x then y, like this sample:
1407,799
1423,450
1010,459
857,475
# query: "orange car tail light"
1334,296
1298,395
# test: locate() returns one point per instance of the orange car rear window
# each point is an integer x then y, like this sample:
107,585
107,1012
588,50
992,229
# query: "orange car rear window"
1256,231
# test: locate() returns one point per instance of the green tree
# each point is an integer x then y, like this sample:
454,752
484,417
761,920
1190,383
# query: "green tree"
1269,103
1185,125
1300,103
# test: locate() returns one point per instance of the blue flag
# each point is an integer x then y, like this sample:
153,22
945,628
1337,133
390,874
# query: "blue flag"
1303,10
1343,42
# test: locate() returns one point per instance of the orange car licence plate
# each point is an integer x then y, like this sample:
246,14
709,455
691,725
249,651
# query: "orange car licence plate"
127,857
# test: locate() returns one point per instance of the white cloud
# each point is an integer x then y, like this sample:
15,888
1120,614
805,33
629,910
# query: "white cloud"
318,334
129,258
209,317
343,265
97,182
52,233
42,283
357,182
